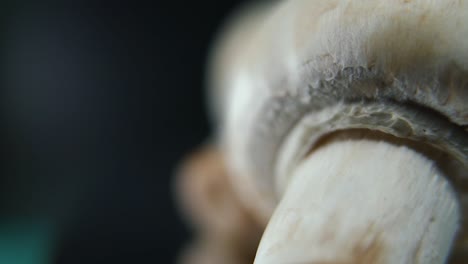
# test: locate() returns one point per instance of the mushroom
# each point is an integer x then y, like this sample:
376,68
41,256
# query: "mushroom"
343,126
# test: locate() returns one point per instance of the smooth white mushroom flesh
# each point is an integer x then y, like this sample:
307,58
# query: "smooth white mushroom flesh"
362,202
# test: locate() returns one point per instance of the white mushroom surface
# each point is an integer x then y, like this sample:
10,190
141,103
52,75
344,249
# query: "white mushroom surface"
362,202
344,128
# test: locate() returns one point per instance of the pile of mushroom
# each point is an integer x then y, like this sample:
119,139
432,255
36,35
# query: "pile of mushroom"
341,136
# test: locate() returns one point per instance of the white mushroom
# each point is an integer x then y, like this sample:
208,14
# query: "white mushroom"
343,124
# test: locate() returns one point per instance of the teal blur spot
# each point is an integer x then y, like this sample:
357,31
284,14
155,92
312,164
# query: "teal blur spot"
25,243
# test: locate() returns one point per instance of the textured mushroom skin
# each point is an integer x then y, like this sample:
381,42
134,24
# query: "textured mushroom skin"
395,66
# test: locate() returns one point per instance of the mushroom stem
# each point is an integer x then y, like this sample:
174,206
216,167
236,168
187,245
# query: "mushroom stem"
362,202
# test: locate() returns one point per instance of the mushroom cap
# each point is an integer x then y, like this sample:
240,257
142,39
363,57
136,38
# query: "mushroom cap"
291,72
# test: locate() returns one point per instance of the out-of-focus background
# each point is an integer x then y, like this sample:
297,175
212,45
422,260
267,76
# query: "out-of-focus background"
99,100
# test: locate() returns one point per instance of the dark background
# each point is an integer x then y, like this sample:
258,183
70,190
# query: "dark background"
99,101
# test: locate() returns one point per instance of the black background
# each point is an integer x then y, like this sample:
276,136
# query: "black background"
100,100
